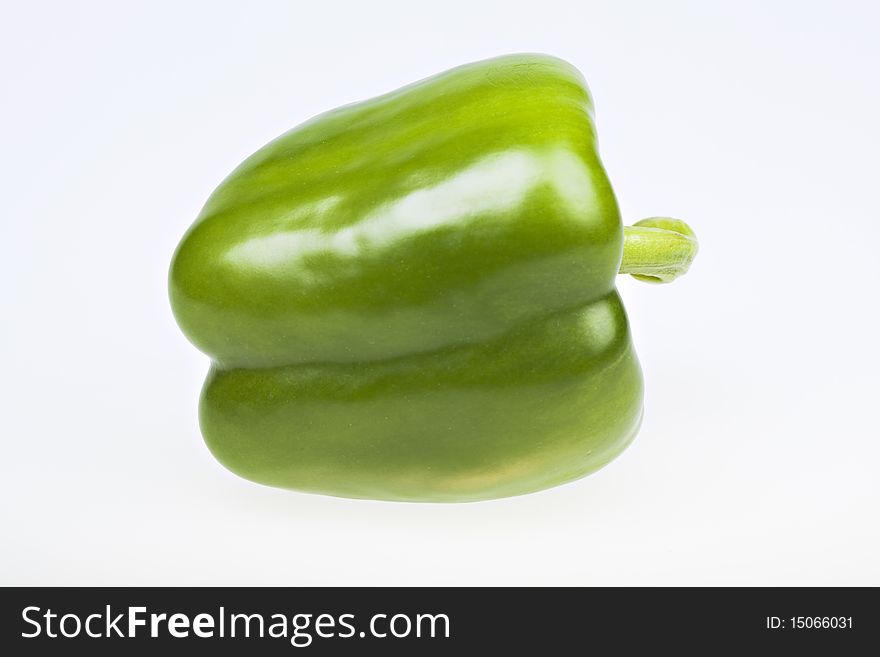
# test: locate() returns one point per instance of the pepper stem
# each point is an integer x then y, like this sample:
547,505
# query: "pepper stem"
658,249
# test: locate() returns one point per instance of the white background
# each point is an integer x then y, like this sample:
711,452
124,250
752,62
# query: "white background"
757,122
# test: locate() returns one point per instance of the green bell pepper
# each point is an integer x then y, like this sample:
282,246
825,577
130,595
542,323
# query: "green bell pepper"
413,298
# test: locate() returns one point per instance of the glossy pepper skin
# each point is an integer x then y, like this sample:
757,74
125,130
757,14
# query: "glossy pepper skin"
413,298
